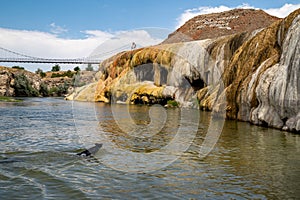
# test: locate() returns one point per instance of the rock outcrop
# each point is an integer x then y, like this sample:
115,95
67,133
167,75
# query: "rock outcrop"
8,83
20,82
262,79
253,76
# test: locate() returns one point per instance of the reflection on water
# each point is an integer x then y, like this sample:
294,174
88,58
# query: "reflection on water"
124,134
39,140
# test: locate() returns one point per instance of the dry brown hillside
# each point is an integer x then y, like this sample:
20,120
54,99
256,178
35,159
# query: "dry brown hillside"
221,24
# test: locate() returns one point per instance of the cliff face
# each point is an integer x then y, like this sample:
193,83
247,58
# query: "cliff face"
253,76
5,82
8,78
278,90
262,79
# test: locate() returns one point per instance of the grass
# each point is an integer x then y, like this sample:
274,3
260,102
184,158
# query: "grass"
9,99
172,103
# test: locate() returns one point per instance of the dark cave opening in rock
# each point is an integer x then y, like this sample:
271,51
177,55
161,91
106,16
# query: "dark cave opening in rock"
196,84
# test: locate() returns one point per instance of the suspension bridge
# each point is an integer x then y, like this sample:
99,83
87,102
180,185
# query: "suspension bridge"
7,56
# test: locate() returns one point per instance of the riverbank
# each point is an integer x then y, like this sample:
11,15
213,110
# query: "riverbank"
9,99
17,82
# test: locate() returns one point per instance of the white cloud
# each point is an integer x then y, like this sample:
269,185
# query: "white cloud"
55,29
283,11
97,34
190,13
49,45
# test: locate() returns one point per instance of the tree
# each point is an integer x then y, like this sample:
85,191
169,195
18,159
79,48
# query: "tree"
77,69
69,74
55,68
38,71
41,73
89,68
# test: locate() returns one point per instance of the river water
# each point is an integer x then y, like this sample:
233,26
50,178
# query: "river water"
40,137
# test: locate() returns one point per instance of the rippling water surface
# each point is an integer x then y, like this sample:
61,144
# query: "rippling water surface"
39,139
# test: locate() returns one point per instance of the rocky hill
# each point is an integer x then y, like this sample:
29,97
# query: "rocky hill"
8,83
250,76
20,82
221,24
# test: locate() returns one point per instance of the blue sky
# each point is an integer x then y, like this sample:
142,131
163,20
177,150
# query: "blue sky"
75,16
75,28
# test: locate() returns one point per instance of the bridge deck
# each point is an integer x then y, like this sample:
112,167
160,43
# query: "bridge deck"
57,61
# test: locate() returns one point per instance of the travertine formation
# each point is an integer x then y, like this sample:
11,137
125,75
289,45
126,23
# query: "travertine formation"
253,76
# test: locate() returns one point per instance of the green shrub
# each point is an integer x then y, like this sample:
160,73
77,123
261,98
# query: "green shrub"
44,90
9,99
76,81
77,69
23,87
68,73
172,103
89,68
54,75
17,67
53,90
55,68
60,90
41,73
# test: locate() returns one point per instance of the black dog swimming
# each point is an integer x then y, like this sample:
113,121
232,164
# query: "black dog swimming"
91,151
